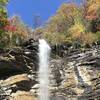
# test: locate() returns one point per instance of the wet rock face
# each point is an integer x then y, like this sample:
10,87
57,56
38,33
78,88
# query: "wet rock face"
74,77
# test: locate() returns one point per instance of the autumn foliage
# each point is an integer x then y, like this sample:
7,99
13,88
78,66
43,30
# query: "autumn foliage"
92,7
71,23
75,23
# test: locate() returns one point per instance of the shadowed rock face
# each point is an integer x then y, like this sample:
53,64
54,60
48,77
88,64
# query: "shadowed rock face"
17,61
55,97
76,76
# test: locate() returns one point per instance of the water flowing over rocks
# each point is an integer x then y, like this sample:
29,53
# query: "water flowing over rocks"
75,76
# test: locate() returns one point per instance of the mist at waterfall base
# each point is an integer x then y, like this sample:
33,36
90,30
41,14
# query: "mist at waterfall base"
44,53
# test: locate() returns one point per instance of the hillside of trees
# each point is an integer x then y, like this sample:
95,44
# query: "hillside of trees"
72,24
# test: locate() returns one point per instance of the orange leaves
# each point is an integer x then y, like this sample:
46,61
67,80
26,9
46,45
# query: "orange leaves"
20,27
92,8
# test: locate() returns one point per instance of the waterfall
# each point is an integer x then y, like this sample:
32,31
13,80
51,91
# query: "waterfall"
44,53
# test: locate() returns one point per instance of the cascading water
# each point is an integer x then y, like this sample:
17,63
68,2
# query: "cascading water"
44,53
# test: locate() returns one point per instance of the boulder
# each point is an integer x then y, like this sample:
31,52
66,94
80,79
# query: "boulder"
22,95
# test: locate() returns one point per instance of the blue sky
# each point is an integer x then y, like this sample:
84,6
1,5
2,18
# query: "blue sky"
26,9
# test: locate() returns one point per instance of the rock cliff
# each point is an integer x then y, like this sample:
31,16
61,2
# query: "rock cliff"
75,76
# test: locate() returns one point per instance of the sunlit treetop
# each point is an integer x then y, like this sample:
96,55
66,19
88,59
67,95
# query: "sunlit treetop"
92,7
3,15
67,10
3,2
3,11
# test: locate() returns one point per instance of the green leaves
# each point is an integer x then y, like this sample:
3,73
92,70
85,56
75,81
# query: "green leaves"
3,2
3,11
3,22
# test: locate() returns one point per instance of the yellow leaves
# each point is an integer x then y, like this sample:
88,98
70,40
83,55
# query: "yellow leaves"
63,19
77,30
98,35
58,24
54,37
67,10
89,38
53,23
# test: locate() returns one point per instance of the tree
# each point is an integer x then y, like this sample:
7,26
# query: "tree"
73,23
92,16
59,24
63,19
91,7
3,22
17,30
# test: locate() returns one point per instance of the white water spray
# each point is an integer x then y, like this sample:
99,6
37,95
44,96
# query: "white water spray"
44,53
